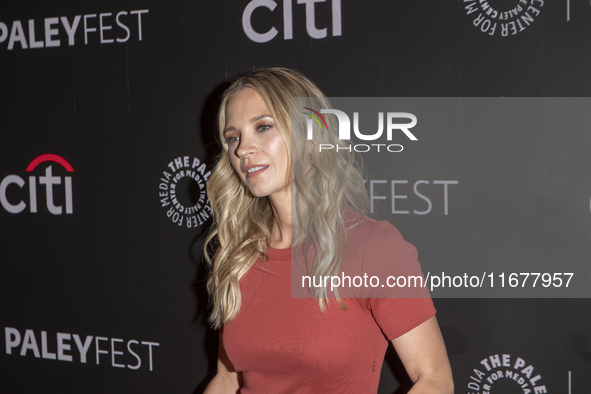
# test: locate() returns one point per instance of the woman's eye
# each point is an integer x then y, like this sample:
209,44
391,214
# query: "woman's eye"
264,127
231,140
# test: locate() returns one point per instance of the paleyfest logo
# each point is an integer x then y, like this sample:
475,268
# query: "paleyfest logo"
503,374
493,20
106,27
182,192
345,129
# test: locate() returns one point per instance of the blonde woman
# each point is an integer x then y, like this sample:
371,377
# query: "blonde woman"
274,197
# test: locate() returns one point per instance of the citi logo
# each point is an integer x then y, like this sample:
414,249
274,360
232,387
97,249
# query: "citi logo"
311,28
392,124
13,205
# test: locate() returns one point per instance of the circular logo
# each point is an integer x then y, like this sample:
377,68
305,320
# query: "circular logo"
503,17
505,374
182,192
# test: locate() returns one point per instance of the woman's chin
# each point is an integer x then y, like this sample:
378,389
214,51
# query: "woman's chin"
258,192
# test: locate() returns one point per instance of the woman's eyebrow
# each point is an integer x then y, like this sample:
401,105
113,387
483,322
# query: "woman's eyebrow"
251,121
259,118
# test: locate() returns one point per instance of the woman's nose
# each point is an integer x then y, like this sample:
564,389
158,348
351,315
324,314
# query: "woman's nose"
245,147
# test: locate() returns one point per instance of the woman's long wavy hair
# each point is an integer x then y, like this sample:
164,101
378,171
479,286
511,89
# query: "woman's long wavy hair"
321,193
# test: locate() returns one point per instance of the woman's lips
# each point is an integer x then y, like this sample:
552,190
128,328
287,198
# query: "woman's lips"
255,170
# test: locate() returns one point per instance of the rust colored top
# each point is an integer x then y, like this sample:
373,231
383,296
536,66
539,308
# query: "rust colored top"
286,345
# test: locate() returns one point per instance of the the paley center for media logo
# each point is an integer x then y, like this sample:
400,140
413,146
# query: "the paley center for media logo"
182,192
505,373
395,122
503,18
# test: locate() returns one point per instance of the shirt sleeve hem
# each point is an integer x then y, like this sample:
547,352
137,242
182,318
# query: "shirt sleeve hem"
409,324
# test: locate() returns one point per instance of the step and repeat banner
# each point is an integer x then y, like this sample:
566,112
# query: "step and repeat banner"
107,119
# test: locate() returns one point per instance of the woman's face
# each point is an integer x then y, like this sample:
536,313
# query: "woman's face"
257,150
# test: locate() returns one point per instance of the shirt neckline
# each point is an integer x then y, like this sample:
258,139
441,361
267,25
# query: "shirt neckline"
279,254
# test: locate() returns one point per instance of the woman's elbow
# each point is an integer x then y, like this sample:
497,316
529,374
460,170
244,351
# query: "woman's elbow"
442,385
448,386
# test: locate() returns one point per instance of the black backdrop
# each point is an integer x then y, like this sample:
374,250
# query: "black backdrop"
119,272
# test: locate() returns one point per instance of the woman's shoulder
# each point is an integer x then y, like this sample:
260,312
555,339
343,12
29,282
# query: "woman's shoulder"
363,229
376,243
377,249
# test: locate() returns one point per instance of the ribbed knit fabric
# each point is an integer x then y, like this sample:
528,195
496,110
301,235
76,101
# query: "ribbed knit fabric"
286,345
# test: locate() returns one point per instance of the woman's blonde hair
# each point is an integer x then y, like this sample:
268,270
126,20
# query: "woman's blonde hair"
321,192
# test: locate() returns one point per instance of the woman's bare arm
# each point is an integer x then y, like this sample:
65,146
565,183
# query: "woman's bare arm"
227,380
423,354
